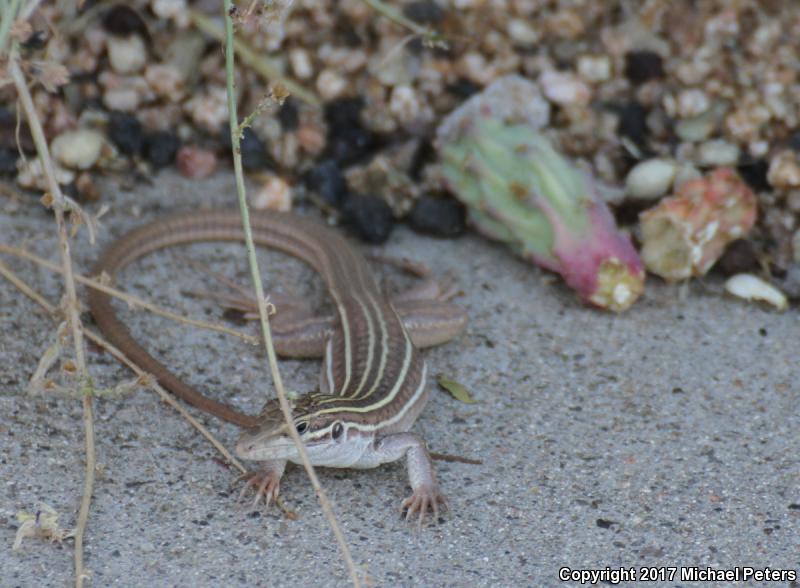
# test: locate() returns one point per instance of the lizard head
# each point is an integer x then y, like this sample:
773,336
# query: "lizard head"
323,433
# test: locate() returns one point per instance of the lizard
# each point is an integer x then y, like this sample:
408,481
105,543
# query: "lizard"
373,378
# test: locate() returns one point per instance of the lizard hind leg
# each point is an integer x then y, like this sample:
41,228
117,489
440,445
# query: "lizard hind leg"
429,286
297,332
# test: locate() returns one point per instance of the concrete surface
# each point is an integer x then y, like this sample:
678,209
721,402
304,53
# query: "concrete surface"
667,436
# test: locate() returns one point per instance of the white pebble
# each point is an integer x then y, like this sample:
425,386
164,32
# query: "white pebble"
274,194
475,68
784,170
522,33
301,63
126,55
30,174
122,99
758,148
79,149
404,104
165,80
209,110
750,287
650,179
692,102
718,153
124,93
172,9
330,84
564,88
594,68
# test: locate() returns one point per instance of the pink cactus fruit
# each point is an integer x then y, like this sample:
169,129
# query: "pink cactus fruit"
521,191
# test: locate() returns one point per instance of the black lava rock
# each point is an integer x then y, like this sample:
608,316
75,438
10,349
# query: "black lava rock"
369,217
254,151
424,154
37,40
463,88
344,111
739,256
327,181
633,122
641,66
8,162
440,217
71,191
424,11
160,148
123,21
289,116
125,131
348,141
794,141
755,174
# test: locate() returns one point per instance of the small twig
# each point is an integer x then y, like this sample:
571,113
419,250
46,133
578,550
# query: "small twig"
72,313
455,458
265,67
6,272
429,36
327,509
265,103
130,298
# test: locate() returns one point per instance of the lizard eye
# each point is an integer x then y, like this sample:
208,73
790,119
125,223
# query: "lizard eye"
337,431
302,427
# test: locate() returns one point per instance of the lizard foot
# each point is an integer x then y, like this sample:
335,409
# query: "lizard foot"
424,498
266,484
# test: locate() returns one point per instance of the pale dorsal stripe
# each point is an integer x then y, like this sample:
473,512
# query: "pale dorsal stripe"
397,417
344,406
370,346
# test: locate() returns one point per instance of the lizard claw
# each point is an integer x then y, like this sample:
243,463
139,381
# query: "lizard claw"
265,483
422,499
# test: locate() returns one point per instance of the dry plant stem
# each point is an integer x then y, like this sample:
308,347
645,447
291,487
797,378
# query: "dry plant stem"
130,298
262,304
72,313
263,66
393,14
6,272
10,10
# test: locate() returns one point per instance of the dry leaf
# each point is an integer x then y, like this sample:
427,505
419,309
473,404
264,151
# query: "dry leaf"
50,74
39,383
456,390
43,525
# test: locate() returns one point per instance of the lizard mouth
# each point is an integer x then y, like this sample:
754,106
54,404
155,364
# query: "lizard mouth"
256,447
262,446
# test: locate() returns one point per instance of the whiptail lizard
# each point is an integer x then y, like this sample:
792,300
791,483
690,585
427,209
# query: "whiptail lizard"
372,385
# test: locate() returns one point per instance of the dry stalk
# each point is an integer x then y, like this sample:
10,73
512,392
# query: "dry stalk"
72,310
236,132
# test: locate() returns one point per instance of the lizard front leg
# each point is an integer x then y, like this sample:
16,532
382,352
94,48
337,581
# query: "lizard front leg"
266,482
425,489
